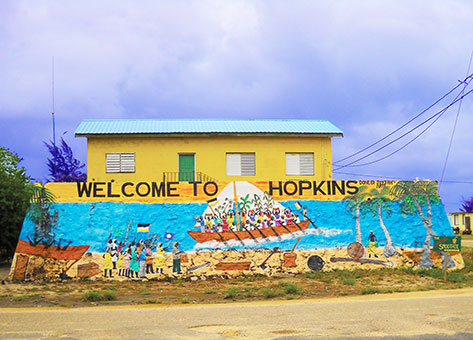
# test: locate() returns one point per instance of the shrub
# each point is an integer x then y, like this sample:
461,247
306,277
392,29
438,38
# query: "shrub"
27,297
290,287
231,293
268,293
95,295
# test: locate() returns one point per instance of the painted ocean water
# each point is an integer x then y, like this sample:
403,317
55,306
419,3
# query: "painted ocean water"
92,223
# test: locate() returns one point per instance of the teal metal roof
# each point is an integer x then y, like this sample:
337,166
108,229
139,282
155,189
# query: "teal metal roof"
206,126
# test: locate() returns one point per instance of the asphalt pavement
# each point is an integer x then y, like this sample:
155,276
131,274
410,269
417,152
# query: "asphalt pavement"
426,315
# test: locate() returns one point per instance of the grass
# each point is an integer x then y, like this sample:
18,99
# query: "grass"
248,288
269,293
153,301
96,295
27,297
290,287
231,293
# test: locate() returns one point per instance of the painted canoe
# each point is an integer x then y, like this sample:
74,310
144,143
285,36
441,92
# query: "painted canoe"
70,253
233,266
248,234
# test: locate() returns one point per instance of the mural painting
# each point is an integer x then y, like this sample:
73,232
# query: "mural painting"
169,229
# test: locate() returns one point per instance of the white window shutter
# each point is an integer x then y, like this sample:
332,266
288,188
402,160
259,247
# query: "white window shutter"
248,164
292,164
233,164
127,162
306,164
300,164
113,162
120,162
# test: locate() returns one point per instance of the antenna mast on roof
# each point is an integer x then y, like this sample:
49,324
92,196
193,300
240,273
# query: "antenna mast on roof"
52,85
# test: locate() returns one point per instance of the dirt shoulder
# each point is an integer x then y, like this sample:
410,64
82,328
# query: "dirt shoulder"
82,293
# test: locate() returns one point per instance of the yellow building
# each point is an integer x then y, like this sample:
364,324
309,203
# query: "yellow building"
205,150
461,222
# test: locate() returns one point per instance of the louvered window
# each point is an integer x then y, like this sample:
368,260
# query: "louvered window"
241,164
120,162
300,164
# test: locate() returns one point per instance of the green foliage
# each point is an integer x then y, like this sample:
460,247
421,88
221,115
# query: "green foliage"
412,192
371,290
210,291
290,287
379,198
268,293
357,200
95,295
231,293
15,193
27,297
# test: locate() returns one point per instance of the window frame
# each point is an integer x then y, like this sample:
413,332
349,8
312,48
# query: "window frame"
242,171
122,158
290,171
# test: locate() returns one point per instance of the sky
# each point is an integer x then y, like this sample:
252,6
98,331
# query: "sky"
367,66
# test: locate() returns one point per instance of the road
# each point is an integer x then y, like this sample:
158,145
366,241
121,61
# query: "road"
424,315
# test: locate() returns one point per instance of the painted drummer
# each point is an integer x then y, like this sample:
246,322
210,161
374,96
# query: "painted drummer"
372,243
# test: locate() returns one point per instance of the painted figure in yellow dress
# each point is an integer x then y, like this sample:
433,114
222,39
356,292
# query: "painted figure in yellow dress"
159,259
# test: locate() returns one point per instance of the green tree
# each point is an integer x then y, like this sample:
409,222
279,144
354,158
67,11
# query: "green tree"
414,195
15,193
378,201
355,204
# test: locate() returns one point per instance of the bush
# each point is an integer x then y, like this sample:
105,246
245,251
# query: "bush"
95,295
268,293
231,293
290,287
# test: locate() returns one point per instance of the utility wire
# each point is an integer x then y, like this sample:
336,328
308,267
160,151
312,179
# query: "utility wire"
437,115
454,126
395,140
405,124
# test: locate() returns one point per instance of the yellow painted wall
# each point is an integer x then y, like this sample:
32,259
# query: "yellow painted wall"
155,155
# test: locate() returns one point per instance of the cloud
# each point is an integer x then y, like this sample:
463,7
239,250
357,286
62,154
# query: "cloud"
366,66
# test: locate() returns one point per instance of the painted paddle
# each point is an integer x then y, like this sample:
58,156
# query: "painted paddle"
199,266
263,265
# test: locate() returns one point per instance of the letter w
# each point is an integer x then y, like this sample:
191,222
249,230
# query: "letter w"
83,187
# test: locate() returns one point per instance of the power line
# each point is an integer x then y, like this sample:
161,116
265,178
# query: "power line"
405,124
439,113
454,126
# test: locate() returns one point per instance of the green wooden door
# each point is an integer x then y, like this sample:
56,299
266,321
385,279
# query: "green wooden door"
186,168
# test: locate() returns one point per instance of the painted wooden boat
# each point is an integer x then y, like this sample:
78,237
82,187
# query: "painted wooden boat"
233,266
70,253
248,234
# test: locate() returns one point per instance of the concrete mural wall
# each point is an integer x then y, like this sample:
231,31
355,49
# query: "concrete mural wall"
156,229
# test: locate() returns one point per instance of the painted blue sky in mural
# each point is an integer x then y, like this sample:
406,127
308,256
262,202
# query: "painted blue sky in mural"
91,224
367,67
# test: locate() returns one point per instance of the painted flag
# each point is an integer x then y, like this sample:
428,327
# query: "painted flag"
143,228
169,236
298,205
212,202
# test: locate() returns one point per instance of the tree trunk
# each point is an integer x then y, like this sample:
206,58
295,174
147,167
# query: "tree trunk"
389,249
358,226
425,260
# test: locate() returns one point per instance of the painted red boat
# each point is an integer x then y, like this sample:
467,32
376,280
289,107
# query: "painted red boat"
248,234
71,253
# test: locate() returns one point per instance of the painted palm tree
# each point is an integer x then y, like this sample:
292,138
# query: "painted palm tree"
41,203
415,195
355,204
378,201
